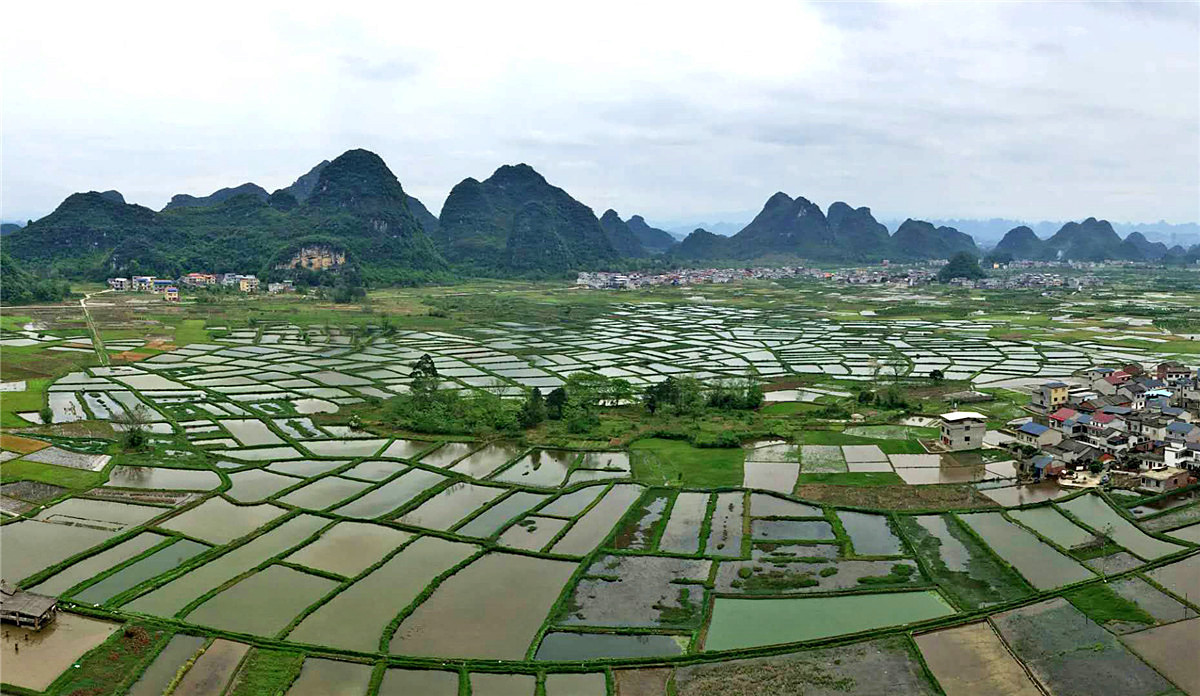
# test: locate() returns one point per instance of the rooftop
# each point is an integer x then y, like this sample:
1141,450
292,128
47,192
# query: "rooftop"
955,416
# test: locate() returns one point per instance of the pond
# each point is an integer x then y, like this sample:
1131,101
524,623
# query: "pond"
780,529
1095,513
1053,525
870,535
492,520
219,521
682,531
307,467
1040,564
29,545
324,492
763,505
540,468
170,598
482,463
251,433
745,623
94,565
331,678
355,618
140,571
255,604
771,476
725,532
565,646
447,454
515,593
532,533
33,659
571,504
592,528
162,671
256,485
425,682
391,495
349,548
344,448
405,449
450,505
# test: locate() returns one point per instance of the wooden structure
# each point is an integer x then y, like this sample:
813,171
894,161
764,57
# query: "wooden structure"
26,608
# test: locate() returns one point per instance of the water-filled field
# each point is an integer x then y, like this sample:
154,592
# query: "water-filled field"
275,518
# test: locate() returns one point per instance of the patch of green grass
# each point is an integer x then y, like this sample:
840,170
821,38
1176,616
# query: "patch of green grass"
75,479
675,462
112,665
834,437
1086,553
267,672
787,408
32,399
900,574
1103,605
190,331
867,478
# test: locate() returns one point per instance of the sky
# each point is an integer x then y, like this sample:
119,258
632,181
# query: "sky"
673,110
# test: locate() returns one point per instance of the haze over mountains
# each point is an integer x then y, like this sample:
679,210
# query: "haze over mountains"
513,222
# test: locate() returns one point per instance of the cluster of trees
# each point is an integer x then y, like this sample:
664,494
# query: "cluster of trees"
577,403
18,286
962,265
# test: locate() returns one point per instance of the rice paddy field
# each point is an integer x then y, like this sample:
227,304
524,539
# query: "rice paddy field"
267,541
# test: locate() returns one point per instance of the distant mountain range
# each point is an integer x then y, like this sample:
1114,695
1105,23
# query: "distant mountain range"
513,222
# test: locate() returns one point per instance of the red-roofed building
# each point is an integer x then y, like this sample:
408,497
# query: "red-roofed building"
1056,419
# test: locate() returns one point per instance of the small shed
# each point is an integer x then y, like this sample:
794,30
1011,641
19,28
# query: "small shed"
26,608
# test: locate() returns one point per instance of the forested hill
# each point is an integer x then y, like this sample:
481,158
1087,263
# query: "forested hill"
513,223
356,206
796,228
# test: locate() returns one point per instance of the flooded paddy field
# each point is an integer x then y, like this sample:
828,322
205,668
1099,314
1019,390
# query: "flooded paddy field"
563,646
1094,512
743,623
308,533
1172,650
1044,567
356,617
971,659
33,659
876,668
639,591
256,605
1068,653
514,592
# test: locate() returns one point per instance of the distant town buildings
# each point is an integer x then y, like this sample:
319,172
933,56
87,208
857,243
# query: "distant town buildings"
169,288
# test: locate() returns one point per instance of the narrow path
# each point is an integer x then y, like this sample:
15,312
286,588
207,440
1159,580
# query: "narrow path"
97,343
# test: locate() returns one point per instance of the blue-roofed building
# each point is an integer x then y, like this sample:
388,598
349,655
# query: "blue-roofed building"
1039,436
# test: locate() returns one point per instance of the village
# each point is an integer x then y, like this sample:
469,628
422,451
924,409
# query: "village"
169,288
1126,426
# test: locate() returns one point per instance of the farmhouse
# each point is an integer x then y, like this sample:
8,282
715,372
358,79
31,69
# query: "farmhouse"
963,430
1163,480
1050,396
26,608
1039,436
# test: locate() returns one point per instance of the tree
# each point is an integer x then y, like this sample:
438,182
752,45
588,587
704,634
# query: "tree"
936,375
425,378
132,423
533,411
47,415
962,265
555,402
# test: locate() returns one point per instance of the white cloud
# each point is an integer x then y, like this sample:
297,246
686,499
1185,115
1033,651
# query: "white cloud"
669,109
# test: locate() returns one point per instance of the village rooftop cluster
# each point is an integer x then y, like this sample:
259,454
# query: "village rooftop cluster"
1129,422
169,288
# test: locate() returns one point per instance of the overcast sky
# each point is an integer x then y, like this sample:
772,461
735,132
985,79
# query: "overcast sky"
678,111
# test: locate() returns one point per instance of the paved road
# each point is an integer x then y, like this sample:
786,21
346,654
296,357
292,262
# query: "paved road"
98,344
